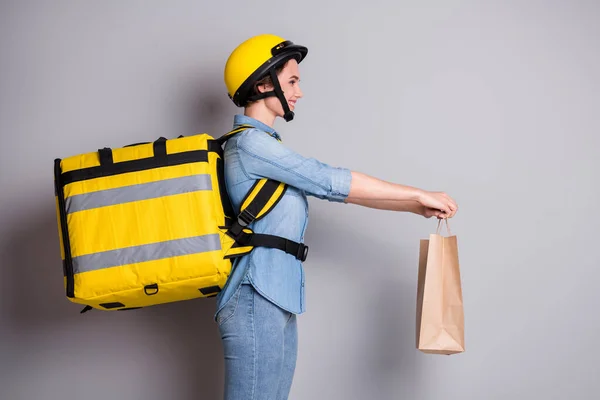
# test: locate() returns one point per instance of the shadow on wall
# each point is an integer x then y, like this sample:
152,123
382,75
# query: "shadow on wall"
38,303
389,360
210,109
34,293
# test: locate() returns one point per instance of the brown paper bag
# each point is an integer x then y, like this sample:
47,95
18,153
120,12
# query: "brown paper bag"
440,315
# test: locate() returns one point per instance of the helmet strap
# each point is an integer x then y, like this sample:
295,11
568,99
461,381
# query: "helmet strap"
288,115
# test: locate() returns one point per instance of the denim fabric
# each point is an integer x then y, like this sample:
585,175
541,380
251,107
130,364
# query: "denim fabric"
257,153
260,344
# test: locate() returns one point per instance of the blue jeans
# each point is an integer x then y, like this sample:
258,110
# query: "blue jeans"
260,343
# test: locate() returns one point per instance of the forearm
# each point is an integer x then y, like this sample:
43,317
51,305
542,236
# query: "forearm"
411,206
365,187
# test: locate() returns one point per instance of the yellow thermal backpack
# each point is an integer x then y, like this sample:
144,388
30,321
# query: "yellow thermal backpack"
152,223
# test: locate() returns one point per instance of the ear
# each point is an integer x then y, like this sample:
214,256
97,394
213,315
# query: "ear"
264,87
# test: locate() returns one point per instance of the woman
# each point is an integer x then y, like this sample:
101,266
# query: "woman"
256,311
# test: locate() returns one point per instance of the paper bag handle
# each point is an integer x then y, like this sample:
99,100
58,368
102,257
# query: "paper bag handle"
438,230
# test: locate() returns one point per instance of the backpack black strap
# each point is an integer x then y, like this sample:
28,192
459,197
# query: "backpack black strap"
260,200
262,197
232,133
250,240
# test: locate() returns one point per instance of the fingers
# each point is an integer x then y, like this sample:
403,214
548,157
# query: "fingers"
451,203
451,211
439,214
429,212
444,204
451,206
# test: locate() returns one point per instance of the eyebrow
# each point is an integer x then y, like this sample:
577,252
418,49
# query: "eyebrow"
294,76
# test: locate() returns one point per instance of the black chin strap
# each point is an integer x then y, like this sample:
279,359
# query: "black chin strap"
288,115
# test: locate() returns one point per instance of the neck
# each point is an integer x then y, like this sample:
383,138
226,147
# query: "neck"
262,114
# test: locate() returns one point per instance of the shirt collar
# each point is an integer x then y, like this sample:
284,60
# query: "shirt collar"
241,119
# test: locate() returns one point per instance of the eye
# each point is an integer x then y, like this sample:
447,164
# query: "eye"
292,82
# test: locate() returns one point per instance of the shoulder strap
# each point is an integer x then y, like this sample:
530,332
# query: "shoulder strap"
262,197
259,201
232,133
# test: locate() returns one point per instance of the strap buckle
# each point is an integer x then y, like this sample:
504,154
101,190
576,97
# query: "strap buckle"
298,250
302,252
245,218
236,230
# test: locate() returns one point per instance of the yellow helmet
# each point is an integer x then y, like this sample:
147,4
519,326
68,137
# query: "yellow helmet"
254,59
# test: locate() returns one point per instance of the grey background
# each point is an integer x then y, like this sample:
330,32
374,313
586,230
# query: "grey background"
496,103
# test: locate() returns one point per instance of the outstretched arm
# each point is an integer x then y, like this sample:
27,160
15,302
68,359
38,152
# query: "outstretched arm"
372,192
266,157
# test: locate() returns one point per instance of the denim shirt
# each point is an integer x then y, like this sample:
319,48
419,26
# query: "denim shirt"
258,153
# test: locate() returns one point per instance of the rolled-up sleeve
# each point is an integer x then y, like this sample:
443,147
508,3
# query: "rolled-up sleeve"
263,156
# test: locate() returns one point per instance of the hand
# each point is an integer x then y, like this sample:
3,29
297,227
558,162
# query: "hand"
429,212
437,204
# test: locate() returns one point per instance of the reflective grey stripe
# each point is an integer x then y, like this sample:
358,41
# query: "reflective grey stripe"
142,191
147,252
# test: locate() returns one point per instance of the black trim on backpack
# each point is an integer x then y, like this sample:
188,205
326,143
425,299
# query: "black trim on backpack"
215,146
225,199
115,305
160,158
105,156
134,166
110,306
159,147
210,291
68,261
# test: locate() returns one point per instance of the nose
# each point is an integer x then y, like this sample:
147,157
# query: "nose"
299,92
